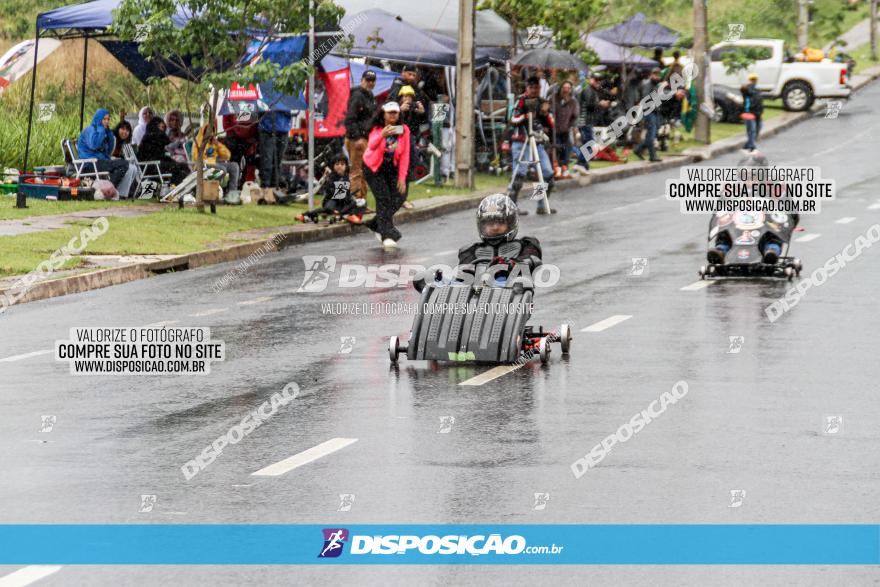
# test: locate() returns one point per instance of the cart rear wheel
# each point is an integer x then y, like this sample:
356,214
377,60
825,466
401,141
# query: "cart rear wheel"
544,349
393,349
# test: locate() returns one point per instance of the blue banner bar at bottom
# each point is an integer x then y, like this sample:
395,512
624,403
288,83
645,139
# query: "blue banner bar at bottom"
661,544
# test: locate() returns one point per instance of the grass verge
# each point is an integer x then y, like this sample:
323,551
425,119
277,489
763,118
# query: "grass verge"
168,231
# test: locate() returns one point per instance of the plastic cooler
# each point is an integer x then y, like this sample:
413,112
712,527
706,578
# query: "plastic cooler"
52,187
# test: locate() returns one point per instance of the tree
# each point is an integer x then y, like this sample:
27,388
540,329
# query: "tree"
209,40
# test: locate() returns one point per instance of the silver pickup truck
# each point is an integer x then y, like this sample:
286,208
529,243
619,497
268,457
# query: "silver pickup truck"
797,83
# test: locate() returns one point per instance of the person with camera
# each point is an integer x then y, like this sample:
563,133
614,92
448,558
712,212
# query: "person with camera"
531,113
413,114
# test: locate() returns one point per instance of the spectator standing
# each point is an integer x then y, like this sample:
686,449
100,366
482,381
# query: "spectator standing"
413,114
652,120
753,109
674,67
408,77
592,106
358,117
530,105
565,113
96,141
274,131
386,163
544,92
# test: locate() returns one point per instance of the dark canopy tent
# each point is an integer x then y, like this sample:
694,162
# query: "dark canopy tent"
127,53
638,31
91,20
616,55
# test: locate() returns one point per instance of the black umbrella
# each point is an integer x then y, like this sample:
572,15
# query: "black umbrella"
552,58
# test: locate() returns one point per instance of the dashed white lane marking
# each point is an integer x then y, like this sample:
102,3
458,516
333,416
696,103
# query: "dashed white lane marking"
162,323
606,323
493,373
420,259
305,457
256,301
807,238
650,200
444,253
210,312
697,285
845,220
28,575
25,356
874,206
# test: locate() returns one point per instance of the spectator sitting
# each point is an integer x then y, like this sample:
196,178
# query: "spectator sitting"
122,133
338,199
153,148
177,146
217,156
144,117
96,141
240,138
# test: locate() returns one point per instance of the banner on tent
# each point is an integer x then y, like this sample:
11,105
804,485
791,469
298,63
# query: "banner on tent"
332,89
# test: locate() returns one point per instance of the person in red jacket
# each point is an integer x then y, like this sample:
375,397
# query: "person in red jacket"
386,164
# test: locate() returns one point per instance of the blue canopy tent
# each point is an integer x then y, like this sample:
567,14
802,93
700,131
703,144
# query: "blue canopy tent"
89,20
384,79
291,49
282,52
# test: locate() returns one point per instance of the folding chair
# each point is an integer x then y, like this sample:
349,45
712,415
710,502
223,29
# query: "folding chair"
143,167
80,168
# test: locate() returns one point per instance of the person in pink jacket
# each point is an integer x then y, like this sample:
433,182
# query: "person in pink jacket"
386,163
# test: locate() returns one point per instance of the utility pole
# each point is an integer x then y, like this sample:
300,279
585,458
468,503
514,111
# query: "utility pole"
702,127
803,23
873,30
464,96
311,97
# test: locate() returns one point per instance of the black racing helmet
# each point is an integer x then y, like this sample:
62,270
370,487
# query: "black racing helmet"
497,208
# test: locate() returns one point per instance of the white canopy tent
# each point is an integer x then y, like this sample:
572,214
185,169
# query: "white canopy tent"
491,30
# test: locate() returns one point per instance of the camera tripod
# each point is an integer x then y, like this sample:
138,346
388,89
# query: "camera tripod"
531,147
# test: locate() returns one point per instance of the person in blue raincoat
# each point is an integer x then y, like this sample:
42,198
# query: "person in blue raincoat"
96,141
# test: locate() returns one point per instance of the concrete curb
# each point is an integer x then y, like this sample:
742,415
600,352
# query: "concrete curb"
118,275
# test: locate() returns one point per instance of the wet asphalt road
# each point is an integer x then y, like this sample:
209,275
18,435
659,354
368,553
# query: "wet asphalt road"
751,421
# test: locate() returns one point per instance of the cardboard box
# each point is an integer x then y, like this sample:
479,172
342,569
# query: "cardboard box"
211,191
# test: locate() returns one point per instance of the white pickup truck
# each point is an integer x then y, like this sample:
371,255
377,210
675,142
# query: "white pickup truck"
797,83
